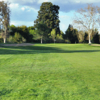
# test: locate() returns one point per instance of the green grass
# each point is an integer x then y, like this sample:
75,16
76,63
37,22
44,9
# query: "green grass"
50,72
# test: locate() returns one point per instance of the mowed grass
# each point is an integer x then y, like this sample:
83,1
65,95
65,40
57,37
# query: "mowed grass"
50,72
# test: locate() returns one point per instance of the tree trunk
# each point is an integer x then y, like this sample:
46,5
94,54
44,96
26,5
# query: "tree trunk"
5,40
54,40
41,40
5,35
89,38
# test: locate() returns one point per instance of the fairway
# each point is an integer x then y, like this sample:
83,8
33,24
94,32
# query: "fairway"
50,72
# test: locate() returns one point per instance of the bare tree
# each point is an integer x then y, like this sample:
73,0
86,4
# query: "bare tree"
4,19
86,18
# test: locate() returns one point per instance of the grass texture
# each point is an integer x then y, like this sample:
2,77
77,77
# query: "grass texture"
50,72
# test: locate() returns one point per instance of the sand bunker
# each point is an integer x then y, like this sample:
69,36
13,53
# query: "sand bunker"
22,44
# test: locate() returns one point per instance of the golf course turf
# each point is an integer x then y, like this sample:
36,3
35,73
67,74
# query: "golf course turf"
50,72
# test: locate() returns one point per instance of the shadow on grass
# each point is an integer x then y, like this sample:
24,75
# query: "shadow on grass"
4,92
39,49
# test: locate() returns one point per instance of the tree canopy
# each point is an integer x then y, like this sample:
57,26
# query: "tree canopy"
48,14
71,34
87,18
4,19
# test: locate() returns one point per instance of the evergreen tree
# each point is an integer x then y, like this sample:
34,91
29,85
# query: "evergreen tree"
48,14
86,38
71,34
96,38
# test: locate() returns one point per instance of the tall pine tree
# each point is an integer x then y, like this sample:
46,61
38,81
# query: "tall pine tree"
48,14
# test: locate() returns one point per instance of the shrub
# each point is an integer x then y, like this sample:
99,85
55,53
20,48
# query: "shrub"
59,38
23,39
67,41
81,41
10,39
17,38
1,40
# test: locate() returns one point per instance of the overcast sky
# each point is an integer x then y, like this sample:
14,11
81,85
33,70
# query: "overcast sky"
24,12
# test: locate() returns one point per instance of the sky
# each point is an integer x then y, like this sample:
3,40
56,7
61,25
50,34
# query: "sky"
25,12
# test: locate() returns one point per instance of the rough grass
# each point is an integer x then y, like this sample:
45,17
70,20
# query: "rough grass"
50,72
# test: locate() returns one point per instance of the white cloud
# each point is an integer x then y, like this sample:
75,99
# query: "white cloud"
78,1
12,5
65,20
24,12
20,1
13,23
22,8
17,7
40,1
53,1
20,23
65,5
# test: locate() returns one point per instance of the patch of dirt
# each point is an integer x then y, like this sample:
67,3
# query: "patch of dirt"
95,44
22,44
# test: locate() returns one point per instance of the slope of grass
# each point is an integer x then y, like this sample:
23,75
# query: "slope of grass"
50,72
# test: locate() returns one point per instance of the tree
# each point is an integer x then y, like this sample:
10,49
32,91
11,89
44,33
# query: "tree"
86,37
31,28
75,35
48,14
4,18
81,36
87,18
17,38
95,36
53,35
71,34
13,29
34,34
41,31
24,31
59,37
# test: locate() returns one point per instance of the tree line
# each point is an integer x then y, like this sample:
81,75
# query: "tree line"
46,27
